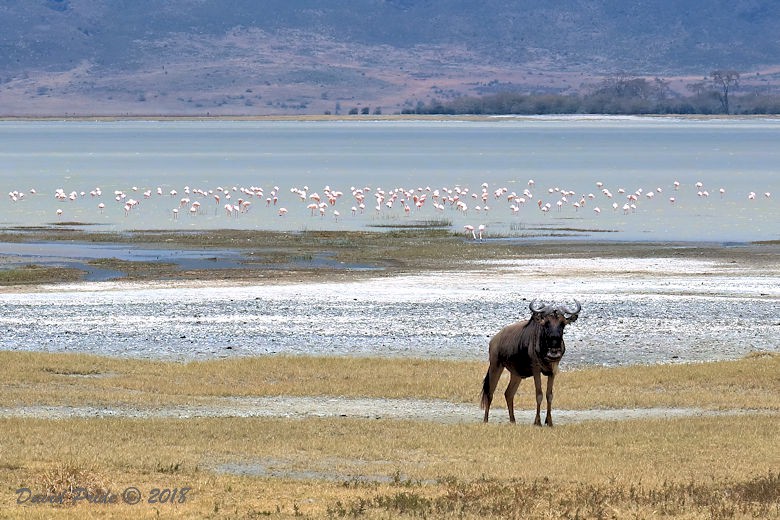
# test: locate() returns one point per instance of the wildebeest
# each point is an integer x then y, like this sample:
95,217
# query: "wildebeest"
529,348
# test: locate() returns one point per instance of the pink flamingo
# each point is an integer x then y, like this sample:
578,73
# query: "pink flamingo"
470,229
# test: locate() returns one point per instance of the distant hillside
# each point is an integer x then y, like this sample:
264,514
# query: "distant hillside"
308,57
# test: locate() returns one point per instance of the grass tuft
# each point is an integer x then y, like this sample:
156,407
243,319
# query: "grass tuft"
170,469
72,479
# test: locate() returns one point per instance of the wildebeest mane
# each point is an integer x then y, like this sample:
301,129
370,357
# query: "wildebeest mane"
526,333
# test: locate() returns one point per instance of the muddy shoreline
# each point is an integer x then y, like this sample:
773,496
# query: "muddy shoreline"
260,256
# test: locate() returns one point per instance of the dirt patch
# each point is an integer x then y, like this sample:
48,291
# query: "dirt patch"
356,408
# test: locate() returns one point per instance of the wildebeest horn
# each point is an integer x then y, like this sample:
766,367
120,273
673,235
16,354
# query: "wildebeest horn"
537,306
570,311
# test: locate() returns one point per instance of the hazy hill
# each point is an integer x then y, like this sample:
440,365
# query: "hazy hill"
308,56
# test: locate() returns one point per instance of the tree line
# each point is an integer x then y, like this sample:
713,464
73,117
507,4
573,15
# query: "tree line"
620,94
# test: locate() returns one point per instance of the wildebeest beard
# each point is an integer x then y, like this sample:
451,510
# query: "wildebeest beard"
551,346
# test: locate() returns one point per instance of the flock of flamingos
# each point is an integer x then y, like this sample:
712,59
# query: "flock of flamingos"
235,201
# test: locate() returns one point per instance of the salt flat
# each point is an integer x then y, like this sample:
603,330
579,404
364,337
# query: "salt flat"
635,310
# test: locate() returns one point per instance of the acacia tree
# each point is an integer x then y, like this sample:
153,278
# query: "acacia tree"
724,80
627,94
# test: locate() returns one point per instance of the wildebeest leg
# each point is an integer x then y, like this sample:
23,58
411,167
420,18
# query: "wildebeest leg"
489,387
509,394
539,395
550,381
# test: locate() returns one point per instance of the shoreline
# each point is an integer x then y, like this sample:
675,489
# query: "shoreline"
383,117
268,256
422,296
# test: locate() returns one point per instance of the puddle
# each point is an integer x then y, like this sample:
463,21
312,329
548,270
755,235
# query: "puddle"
78,256
282,469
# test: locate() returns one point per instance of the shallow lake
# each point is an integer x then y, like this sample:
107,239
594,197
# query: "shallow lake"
183,174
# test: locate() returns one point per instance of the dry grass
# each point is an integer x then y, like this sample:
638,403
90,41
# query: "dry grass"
71,479
684,467
698,467
75,379
750,383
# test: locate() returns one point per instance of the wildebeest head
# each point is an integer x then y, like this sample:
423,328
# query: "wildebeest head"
552,319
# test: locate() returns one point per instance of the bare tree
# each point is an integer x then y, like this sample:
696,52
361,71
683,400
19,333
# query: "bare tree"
698,88
725,80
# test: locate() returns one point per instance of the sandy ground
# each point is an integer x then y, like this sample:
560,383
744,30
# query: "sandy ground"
361,408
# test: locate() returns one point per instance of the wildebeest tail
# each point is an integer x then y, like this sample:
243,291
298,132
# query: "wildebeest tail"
485,401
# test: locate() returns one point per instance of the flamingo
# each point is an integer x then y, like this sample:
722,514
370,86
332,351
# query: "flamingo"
470,229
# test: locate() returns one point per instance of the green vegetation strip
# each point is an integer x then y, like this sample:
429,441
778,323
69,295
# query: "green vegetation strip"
288,256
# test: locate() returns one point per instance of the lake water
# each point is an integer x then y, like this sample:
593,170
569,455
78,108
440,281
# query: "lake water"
445,161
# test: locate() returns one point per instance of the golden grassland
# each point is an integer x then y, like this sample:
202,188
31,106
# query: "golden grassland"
35,378
717,466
